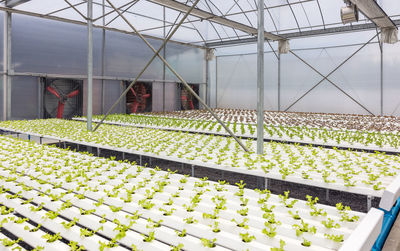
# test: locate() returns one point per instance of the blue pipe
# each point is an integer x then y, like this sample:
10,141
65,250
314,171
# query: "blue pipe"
388,220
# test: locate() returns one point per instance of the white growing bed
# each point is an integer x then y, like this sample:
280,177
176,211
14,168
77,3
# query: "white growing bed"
57,177
354,172
319,120
302,135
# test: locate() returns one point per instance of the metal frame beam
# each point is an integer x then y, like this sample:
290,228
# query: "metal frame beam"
13,3
236,13
128,10
83,77
205,15
71,21
212,43
310,33
374,12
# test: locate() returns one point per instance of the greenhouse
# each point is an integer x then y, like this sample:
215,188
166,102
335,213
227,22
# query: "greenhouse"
200,125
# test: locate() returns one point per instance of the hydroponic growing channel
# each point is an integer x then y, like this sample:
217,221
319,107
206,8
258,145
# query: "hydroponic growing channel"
355,172
354,139
290,119
56,199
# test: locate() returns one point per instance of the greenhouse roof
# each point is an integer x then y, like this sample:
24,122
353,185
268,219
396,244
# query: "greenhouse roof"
212,22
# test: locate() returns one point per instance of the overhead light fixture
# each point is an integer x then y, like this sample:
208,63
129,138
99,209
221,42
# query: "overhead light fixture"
389,35
349,13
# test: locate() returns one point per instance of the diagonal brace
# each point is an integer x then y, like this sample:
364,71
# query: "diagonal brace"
330,73
330,81
157,53
76,10
112,11
65,8
130,6
148,63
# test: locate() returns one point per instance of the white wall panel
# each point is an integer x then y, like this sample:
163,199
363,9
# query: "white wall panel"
237,82
45,46
359,77
24,98
327,99
113,90
189,62
391,78
126,56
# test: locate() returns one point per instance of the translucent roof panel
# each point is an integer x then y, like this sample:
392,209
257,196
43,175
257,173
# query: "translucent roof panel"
211,21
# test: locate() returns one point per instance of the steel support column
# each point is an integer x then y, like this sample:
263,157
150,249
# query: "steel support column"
203,88
260,78
208,101
279,82
40,98
381,49
7,65
164,55
90,65
157,54
216,82
103,50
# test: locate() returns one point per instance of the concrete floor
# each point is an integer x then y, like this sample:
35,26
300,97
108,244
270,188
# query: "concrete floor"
393,240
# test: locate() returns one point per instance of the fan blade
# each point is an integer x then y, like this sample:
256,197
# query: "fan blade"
60,110
53,91
73,94
134,107
191,105
134,93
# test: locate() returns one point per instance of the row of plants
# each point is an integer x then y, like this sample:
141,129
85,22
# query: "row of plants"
26,233
293,119
87,202
365,173
343,137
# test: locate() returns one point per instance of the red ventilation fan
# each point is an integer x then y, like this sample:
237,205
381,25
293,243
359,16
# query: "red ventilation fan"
187,99
62,98
140,96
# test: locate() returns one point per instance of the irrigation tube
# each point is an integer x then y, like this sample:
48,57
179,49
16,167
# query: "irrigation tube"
388,220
